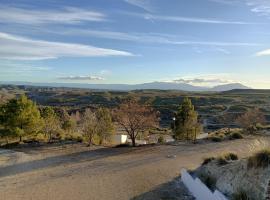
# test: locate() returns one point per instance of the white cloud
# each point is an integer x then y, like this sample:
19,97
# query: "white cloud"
261,7
149,38
68,15
206,80
228,2
263,53
144,4
20,48
202,81
82,78
187,19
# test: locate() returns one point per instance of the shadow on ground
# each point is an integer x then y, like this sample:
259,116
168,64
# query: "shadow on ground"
173,190
84,156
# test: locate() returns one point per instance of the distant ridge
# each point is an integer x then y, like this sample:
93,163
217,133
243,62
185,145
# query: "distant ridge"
143,86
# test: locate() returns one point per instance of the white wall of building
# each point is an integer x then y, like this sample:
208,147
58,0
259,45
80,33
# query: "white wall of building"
198,189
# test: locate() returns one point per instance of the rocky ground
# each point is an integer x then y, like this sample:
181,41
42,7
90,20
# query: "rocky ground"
68,172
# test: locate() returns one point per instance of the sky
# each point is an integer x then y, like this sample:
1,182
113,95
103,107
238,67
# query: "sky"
200,42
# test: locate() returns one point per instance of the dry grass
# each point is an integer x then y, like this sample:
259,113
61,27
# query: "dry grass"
260,159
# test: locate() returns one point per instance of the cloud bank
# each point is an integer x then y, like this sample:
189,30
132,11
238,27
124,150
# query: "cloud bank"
82,78
263,53
68,15
19,48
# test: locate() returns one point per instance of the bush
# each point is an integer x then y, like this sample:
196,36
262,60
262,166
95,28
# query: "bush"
41,137
161,140
222,161
209,181
231,156
216,139
260,159
236,135
241,195
75,137
208,160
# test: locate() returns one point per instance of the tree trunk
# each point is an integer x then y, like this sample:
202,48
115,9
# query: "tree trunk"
50,137
133,141
89,142
20,138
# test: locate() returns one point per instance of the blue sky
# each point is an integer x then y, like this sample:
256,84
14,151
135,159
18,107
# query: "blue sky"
201,42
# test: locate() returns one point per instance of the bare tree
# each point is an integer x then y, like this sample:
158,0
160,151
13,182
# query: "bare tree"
251,119
135,118
89,125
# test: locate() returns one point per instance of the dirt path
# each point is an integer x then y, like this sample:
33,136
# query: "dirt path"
75,172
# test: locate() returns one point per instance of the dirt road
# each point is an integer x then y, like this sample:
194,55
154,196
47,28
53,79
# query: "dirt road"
74,172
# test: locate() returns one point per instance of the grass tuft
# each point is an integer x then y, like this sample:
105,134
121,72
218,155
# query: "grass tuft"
260,159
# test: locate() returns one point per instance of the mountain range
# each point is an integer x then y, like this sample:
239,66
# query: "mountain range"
143,86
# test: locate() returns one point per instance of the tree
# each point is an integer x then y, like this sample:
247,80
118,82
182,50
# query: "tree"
89,125
250,119
135,118
51,122
227,120
68,122
21,117
186,122
105,124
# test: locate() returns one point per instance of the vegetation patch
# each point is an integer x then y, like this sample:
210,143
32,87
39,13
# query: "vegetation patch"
236,135
208,160
209,181
217,139
260,159
231,156
241,195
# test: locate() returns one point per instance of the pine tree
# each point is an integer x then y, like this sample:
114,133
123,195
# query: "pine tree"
186,124
21,117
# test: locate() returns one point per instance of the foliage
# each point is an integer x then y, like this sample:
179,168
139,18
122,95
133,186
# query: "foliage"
236,135
250,119
161,139
230,156
260,159
135,118
89,125
221,160
207,160
106,127
240,195
51,122
21,117
186,124
216,138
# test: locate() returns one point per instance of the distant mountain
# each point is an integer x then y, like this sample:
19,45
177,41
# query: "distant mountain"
227,87
144,86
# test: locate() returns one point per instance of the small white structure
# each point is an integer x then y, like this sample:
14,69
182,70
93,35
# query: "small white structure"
202,136
198,189
119,139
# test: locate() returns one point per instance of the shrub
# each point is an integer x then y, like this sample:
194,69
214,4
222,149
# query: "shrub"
260,159
216,139
240,195
208,160
222,161
41,137
236,135
161,139
75,137
209,181
231,156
